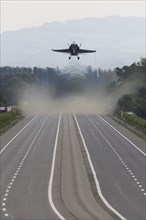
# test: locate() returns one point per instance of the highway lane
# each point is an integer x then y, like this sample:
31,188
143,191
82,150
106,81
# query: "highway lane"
27,165
25,171
74,184
8,136
119,166
14,151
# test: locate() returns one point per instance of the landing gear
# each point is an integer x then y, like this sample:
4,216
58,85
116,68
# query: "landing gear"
78,58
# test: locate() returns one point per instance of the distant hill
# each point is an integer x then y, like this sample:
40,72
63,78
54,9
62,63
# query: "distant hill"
118,41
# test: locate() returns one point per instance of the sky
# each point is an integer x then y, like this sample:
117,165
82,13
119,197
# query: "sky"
30,13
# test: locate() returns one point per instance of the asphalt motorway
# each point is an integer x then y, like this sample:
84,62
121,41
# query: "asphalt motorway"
72,167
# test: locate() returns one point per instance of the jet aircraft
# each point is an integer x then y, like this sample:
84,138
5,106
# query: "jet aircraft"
74,50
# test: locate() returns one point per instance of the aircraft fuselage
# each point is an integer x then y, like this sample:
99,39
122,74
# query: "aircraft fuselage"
74,49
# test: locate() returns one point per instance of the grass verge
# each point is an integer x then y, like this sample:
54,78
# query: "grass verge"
8,119
137,122
133,123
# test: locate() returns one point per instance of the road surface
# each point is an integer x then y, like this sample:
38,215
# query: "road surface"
72,167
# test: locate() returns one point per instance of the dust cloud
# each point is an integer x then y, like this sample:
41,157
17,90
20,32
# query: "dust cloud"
38,101
90,99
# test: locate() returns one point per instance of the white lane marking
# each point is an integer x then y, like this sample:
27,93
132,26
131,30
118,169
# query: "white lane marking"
127,168
16,135
18,169
122,135
52,175
94,175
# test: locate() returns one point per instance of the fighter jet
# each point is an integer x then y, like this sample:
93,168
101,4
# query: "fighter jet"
74,50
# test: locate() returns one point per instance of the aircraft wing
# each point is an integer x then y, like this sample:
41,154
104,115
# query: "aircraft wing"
62,50
86,51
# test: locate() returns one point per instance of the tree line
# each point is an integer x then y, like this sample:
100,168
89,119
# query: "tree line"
135,101
13,81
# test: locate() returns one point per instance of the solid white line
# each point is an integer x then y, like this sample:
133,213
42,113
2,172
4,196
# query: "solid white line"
35,137
14,176
103,137
122,135
16,135
95,177
127,168
52,175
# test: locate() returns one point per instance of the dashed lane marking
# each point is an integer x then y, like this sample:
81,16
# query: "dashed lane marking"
17,135
95,177
125,165
122,135
17,171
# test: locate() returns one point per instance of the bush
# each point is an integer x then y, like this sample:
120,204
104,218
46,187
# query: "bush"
135,121
8,118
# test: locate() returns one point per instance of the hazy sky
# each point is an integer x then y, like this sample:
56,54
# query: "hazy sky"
19,14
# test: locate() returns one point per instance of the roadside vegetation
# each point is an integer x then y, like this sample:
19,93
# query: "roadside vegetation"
131,107
119,90
132,122
136,121
135,100
8,119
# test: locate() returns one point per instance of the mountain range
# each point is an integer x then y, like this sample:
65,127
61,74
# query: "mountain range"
118,40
